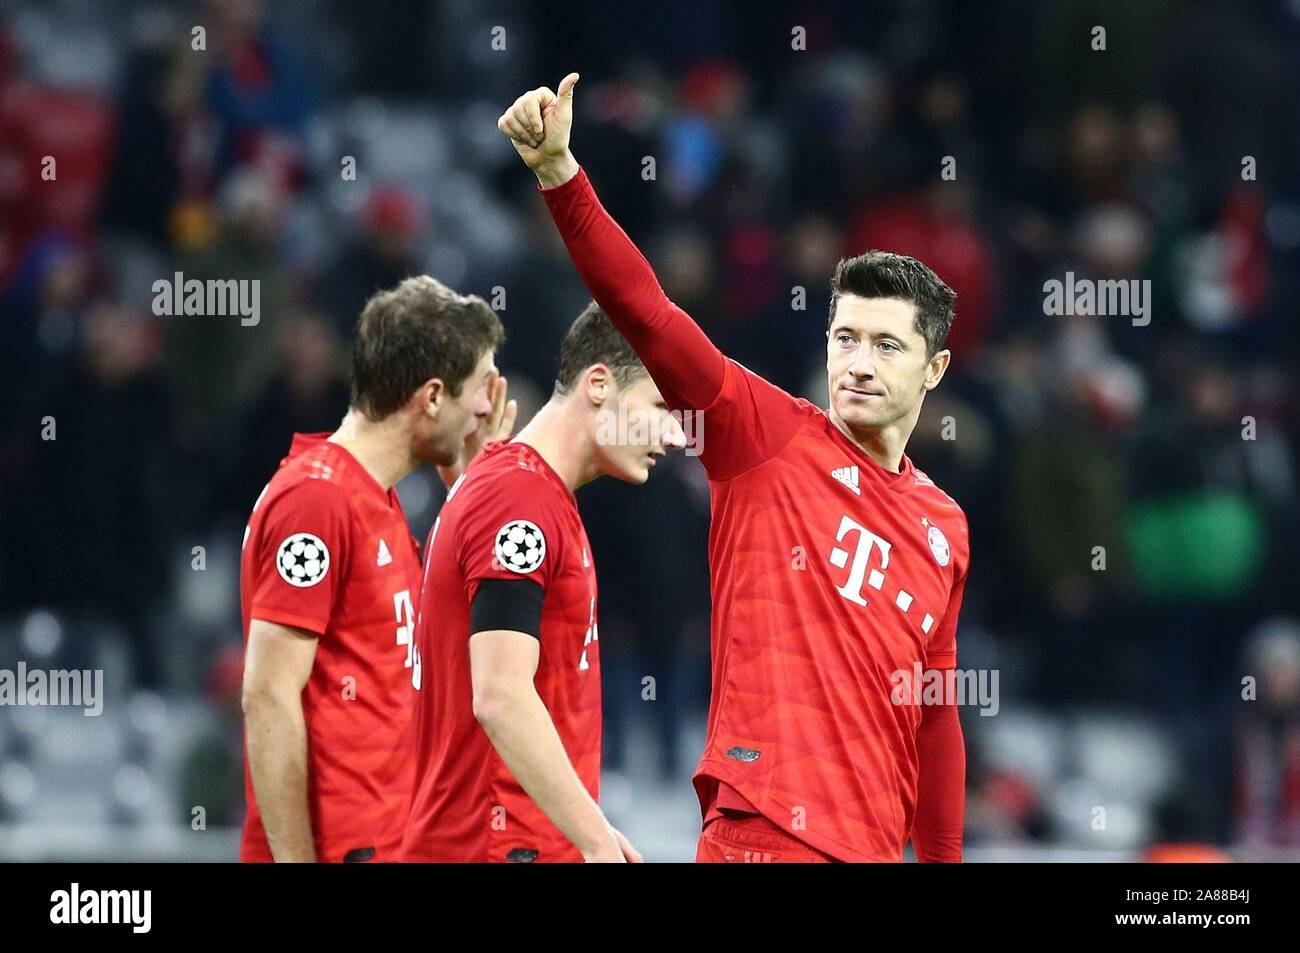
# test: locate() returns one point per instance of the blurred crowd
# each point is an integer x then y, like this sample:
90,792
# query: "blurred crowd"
1131,488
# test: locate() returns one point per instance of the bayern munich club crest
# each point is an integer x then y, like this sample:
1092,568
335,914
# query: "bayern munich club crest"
520,546
303,560
939,545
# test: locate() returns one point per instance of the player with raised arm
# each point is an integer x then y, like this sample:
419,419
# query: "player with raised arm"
837,566
330,575
508,718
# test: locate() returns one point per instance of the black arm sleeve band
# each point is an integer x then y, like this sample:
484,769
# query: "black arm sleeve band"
511,604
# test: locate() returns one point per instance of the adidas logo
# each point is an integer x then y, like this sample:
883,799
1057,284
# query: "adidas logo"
385,557
849,477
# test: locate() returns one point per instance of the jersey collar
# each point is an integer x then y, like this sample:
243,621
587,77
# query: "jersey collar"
899,482
307,442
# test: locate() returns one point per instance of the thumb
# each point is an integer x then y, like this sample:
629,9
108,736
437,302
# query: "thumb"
564,96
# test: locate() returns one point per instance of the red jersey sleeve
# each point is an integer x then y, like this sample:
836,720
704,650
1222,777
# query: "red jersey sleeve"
750,421
514,531
942,651
941,786
745,418
684,363
302,551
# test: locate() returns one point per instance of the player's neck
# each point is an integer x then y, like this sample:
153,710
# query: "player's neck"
885,445
562,441
381,447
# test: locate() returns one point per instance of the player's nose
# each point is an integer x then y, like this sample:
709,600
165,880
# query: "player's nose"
861,366
672,434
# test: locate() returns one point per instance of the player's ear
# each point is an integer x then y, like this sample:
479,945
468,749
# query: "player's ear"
431,396
598,383
935,369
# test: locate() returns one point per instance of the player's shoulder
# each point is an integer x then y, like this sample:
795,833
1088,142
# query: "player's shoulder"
945,517
800,405
313,458
509,504
509,471
933,494
317,477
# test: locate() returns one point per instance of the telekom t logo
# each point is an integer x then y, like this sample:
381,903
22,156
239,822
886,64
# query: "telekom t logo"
852,588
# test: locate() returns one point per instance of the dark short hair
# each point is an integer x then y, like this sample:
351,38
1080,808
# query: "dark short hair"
415,332
593,339
882,274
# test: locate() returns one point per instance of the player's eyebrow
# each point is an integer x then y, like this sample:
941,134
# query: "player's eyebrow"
872,335
891,336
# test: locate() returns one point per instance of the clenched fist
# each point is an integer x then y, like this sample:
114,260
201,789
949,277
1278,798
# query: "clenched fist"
538,125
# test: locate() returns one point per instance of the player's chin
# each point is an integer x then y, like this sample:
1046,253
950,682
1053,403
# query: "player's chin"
440,456
635,472
856,415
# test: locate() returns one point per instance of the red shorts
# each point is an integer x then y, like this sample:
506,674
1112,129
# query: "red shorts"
753,839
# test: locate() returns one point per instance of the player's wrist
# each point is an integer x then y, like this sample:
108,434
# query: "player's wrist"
554,172
599,844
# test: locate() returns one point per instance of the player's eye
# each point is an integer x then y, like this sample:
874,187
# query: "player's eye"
844,338
889,346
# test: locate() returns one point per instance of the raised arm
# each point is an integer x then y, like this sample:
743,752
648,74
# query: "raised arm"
680,357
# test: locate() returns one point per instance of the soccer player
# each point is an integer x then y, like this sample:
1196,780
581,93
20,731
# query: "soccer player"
330,575
837,566
508,718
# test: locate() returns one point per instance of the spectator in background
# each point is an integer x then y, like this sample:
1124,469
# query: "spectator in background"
145,183
40,316
101,488
217,364
712,109
303,396
834,109
541,308
935,225
379,255
212,764
782,342
258,92
1110,241
1197,529
1266,807
655,609
1003,804
56,147
689,274
1066,479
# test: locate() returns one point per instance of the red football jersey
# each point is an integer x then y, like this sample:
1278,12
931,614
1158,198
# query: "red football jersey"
510,516
831,575
329,550
834,582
